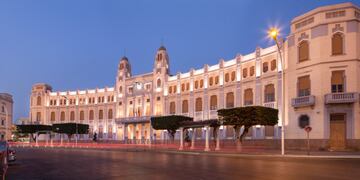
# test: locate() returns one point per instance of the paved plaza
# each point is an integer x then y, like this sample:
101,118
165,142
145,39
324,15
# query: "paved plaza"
42,163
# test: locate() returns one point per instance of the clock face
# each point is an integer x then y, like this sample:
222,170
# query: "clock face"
138,86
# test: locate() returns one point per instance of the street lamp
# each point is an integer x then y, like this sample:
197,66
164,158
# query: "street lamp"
274,33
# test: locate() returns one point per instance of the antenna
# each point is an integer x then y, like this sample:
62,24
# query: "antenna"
162,41
124,51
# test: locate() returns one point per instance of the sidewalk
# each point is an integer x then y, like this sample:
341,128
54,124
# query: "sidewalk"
174,148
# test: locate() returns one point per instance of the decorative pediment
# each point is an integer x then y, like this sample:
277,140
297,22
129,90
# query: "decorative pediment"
303,36
338,28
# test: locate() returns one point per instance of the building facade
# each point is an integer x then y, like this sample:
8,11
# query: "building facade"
6,116
321,58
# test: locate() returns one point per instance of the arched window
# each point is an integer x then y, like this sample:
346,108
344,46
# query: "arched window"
244,72
185,106
72,116
217,80
201,83
110,114
304,121
62,116
175,88
252,71
196,84
182,87
248,97
121,66
269,93
172,108
337,42
38,101
101,114
213,102
82,115
158,83
229,100
91,115
233,76
273,64
120,89
52,116
170,89
227,78
187,86
198,104
211,81
303,51
265,67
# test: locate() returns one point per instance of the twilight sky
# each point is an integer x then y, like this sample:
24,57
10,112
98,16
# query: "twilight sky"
77,44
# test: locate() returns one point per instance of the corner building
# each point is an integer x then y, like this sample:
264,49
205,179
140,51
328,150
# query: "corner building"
322,70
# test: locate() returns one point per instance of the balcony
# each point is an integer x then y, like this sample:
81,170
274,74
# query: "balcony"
303,101
198,115
213,114
341,98
270,105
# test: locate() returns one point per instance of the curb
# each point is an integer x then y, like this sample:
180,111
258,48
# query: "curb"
215,154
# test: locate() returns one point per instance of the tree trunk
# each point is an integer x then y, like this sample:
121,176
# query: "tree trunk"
237,138
215,133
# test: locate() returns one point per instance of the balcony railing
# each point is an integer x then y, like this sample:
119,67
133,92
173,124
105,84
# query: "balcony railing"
213,114
338,98
185,114
303,101
270,104
198,115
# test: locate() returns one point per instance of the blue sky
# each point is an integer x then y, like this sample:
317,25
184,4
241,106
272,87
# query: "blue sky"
76,44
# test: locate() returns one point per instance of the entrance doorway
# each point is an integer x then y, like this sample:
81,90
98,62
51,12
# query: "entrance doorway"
337,131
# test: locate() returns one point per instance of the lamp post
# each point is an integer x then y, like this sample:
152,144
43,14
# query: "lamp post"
273,33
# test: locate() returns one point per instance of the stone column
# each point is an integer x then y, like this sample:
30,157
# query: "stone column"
193,138
150,134
134,134
207,148
181,139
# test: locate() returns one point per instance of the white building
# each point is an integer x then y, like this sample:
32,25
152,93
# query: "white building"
322,68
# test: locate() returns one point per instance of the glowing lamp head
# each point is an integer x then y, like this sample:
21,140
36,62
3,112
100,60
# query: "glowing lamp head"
273,33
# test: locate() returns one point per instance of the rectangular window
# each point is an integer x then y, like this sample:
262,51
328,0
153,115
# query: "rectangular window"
304,86
337,82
